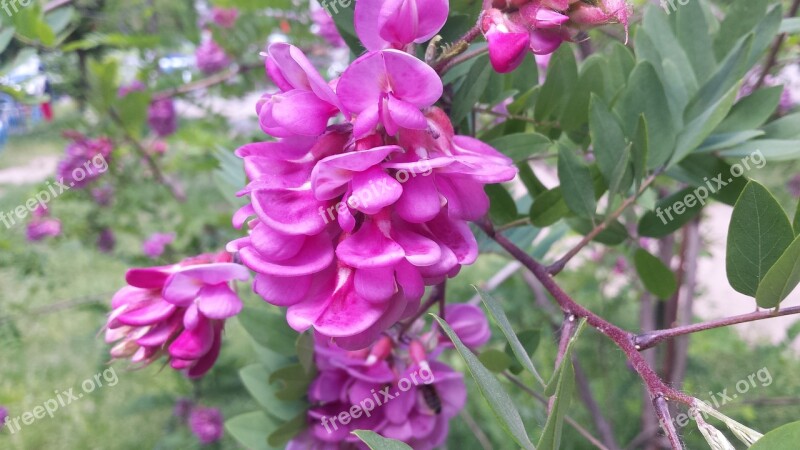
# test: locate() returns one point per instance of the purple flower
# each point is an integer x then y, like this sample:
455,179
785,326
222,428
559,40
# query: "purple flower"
794,186
469,323
84,161
224,17
154,246
134,86
211,57
183,406
162,118
178,311
324,26
106,241
40,228
382,24
206,424
103,195
3,415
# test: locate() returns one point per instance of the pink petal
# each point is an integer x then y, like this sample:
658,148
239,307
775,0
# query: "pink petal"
192,344
466,199
406,115
363,83
419,250
315,255
218,302
366,18
282,291
148,314
302,112
375,285
369,248
375,189
507,50
205,363
331,175
420,201
274,245
412,80
457,236
150,278
546,41
290,211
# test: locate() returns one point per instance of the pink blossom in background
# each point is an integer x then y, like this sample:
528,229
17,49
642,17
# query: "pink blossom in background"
183,406
3,415
106,240
162,117
103,195
154,246
177,311
513,28
794,186
382,24
84,161
364,199
134,86
211,58
324,26
39,229
224,17
206,424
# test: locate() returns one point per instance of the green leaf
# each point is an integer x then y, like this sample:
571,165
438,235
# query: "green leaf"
269,330
790,25
495,360
551,436
529,340
693,30
717,142
797,220
229,177
343,17
781,279
608,141
742,18
502,208
288,430
752,111
305,351
726,78
548,208
471,89
499,401
499,316
255,378
614,234
696,131
787,127
671,214
772,149
520,146
760,232
292,382
252,430
576,183
5,37
640,152
785,437
657,277
562,76
377,442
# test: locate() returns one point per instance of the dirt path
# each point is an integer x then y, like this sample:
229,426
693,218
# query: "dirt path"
38,169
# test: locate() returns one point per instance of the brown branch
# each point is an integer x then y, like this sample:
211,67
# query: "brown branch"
559,265
776,48
205,83
461,58
686,295
515,117
653,338
665,418
622,338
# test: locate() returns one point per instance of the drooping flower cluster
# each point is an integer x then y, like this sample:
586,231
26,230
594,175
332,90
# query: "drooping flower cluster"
178,311
395,389
211,58
355,215
84,161
162,118
42,225
515,27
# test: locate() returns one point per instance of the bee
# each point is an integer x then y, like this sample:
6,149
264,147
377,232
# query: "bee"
431,398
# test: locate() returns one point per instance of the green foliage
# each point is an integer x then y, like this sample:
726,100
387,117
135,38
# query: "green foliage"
782,438
378,442
657,278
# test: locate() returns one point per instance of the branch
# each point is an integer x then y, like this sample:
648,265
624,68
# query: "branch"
653,338
623,339
448,60
773,53
460,59
662,409
515,117
205,83
559,265
543,400
476,429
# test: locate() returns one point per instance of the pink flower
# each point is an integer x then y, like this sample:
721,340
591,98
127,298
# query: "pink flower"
154,246
103,195
382,24
469,323
39,229
224,17
206,424
426,395
162,118
514,27
211,57
324,26
134,86
178,311
351,220
85,160
794,186
388,87
106,241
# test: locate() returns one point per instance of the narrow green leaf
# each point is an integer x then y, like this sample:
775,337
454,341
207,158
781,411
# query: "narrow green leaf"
760,232
551,436
269,330
724,141
502,208
495,360
608,139
256,379
471,89
576,183
552,385
548,208
693,30
292,382
752,111
640,152
785,437
344,20
790,25
773,150
742,18
728,75
562,76
377,442
520,146
499,316
671,213
797,220
614,234
787,127
491,389
781,279
305,351
530,180
530,341
696,131
657,277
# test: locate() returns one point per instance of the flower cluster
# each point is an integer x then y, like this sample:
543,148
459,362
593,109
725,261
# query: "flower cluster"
154,246
178,311
365,198
224,17
395,389
162,118
211,58
515,27
76,170
42,225
206,424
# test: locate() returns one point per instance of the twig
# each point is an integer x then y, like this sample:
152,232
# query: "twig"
776,48
559,265
514,117
205,83
516,223
543,400
476,429
653,338
462,58
568,327
662,408
446,62
622,338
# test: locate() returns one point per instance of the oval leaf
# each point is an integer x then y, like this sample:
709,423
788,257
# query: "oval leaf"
781,279
657,277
